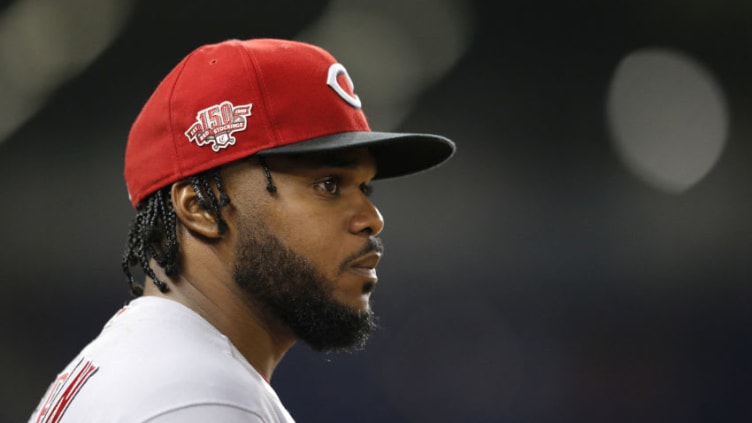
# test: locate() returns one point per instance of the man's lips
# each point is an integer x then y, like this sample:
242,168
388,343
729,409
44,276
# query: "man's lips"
364,262
366,265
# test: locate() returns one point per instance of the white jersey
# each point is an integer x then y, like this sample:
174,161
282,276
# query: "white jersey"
157,361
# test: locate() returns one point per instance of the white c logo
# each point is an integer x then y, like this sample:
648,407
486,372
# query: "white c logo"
335,71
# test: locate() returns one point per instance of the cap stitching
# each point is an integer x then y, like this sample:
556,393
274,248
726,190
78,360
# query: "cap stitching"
261,84
178,157
158,183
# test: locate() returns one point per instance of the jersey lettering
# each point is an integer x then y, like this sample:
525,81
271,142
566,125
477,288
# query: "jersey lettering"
63,390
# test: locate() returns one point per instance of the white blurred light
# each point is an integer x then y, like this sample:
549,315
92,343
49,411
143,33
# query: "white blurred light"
45,42
393,49
668,118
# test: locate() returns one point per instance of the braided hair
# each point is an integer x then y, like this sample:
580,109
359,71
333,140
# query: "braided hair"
153,232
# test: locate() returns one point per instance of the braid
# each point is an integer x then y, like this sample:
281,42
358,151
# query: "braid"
153,232
270,187
207,198
224,199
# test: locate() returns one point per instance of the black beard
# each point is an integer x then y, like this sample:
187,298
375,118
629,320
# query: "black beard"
286,285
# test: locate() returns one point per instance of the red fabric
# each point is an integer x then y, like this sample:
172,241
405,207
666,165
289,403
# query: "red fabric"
285,82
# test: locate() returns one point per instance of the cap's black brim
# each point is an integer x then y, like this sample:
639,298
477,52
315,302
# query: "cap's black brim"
396,154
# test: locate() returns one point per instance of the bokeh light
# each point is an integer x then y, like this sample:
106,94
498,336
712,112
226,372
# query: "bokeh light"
668,118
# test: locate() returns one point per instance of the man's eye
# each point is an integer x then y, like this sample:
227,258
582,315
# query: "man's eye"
367,189
329,185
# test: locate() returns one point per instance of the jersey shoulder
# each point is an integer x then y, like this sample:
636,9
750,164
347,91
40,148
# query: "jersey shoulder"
155,356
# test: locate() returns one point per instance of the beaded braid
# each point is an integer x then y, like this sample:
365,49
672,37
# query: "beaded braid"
270,187
153,233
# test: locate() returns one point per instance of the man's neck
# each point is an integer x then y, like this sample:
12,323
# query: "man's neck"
262,340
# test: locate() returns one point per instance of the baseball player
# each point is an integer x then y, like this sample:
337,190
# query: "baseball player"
250,169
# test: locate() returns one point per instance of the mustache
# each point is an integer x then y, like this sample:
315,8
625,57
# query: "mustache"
373,245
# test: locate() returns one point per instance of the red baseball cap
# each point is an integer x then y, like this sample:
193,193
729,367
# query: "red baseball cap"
237,98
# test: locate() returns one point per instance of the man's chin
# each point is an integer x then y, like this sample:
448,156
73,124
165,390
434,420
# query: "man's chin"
344,335
359,305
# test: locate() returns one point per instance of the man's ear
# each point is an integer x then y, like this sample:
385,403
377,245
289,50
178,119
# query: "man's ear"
190,213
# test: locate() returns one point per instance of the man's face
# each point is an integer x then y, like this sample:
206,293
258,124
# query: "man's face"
307,254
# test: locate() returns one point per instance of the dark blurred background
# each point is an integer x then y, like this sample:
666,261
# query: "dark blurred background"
583,258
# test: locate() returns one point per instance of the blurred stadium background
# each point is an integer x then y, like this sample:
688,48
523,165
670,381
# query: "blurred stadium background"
585,257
